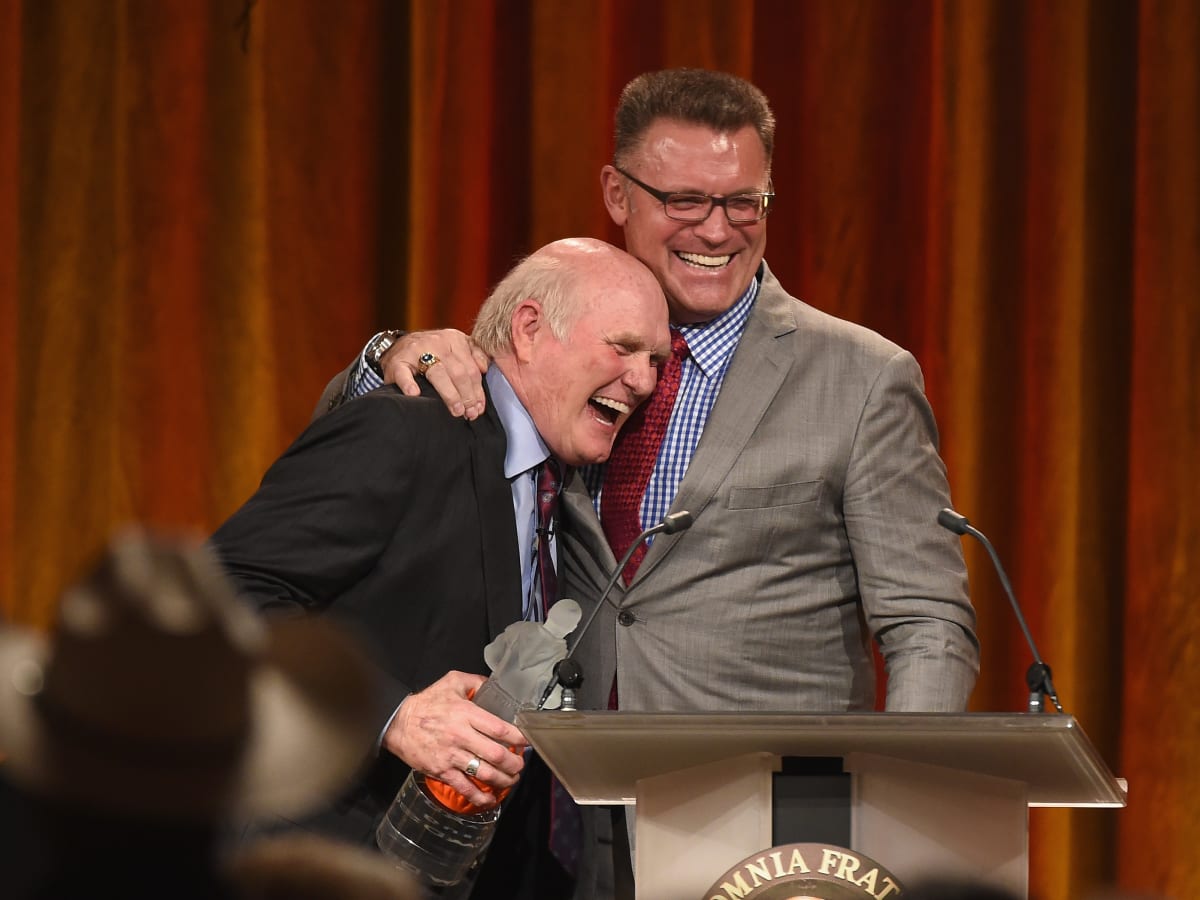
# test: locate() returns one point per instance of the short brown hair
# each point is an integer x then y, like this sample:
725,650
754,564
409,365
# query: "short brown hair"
719,100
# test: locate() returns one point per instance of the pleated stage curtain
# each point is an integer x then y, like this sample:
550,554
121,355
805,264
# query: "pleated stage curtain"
206,208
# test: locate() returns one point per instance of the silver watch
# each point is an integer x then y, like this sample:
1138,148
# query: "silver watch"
378,346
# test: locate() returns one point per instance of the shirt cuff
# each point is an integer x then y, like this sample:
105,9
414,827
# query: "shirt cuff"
361,378
388,724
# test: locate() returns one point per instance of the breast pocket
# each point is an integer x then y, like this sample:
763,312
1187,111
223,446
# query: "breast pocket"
772,495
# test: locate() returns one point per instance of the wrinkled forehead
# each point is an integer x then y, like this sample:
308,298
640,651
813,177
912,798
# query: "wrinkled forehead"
616,273
625,299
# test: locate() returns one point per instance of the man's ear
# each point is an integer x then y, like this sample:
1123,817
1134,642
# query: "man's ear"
616,198
527,321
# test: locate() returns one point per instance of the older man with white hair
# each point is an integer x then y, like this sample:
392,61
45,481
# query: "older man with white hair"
422,531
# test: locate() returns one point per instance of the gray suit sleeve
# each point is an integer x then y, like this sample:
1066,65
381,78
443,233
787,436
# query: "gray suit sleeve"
911,572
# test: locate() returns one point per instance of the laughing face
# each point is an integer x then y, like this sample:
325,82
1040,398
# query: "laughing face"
703,267
580,390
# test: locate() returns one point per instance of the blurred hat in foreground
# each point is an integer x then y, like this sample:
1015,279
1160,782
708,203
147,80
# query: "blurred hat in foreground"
159,694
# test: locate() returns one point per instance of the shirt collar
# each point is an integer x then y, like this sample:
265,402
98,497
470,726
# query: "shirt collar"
526,448
712,343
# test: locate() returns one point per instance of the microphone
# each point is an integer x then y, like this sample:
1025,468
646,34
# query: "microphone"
567,671
1038,675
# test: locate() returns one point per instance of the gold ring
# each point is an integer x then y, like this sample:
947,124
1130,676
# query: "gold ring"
426,362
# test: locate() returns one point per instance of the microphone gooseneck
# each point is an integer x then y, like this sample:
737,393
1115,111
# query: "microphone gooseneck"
567,671
1038,676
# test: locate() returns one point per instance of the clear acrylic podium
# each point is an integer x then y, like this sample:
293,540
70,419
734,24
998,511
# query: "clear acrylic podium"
930,792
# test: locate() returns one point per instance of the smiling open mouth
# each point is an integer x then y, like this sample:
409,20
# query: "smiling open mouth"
705,262
608,409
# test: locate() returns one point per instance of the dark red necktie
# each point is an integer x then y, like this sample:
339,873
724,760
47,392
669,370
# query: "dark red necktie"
632,461
549,484
566,827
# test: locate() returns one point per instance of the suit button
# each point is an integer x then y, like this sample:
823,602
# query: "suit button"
625,617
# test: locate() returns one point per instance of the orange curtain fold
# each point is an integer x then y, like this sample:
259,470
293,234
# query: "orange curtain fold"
10,156
1159,718
196,251
469,216
206,208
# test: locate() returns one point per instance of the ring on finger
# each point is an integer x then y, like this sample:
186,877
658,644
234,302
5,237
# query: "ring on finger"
472,767
425,362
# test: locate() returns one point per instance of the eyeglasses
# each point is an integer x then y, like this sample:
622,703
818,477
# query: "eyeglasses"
740,209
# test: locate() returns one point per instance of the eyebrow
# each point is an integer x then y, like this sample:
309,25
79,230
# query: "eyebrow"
695,192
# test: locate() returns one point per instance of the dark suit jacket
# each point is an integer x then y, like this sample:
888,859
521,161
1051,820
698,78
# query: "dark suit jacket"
396,519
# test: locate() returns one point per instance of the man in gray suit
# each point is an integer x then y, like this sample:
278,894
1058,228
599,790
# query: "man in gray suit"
803,445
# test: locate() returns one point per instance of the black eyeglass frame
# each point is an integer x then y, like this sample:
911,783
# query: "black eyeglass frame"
663,197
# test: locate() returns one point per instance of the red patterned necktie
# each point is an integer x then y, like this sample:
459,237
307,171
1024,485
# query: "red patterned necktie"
566,827
549,484
632,461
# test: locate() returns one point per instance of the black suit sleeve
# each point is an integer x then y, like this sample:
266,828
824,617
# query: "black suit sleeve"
325,510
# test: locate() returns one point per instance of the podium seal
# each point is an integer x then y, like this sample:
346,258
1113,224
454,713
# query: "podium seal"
806,872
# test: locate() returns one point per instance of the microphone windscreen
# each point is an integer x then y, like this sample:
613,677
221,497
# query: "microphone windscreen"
570,674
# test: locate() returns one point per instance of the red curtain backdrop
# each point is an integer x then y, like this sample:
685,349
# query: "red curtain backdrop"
206,207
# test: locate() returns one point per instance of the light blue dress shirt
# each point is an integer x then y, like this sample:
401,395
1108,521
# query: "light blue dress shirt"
526,452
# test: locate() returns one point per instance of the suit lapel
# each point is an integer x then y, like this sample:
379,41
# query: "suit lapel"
580,515
756,373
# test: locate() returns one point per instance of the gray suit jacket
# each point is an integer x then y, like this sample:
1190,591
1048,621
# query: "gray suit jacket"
815,490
